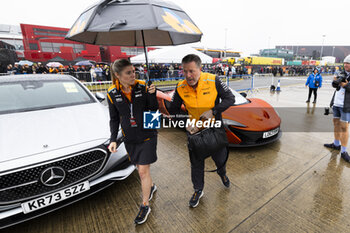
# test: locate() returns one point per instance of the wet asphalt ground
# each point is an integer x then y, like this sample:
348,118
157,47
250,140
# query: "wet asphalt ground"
292,185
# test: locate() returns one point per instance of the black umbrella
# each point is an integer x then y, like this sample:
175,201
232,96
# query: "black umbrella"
134,23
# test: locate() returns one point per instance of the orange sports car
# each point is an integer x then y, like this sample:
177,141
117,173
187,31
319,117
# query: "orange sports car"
248,122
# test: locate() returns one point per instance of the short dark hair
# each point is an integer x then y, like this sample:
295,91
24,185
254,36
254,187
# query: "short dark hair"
192,58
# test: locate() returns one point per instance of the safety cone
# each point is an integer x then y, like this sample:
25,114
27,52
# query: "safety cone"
278,86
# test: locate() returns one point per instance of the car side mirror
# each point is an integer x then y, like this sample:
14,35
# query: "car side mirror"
100,97
243,94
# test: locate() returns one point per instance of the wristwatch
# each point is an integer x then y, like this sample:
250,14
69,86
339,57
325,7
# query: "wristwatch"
214,111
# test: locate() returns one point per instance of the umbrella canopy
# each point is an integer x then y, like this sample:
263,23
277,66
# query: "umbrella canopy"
134,23
84,63
54,64
25,62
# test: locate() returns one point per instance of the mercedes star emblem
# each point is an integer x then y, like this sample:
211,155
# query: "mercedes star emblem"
52,176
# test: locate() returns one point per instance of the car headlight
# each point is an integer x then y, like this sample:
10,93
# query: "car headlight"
120,139
106,143
232,122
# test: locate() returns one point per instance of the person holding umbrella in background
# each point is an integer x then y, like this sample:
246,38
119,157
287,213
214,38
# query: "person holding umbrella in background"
128,99
314,81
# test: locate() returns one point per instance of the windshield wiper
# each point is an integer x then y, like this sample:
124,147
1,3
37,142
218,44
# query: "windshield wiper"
27,109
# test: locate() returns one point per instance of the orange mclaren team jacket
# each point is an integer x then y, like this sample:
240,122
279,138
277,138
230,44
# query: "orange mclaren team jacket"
120,107
207,96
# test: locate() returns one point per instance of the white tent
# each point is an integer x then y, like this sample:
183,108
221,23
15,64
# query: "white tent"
172,54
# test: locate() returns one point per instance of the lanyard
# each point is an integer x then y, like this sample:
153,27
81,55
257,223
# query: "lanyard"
130,106
133,123
131,112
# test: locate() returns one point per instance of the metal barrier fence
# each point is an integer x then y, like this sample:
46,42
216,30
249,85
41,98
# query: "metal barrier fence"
98,86
265,81
167,74
244,82
236,82
103,85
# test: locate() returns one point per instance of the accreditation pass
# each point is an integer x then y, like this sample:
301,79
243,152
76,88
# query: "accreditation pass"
55,197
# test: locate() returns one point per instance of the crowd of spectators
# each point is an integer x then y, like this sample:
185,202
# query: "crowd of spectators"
84,73
164,71
293,70
101,72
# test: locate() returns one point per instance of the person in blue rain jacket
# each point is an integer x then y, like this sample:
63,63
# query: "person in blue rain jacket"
314,81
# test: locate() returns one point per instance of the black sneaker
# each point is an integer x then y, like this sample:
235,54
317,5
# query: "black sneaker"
332,146
153,189
307,101
314,102
195,198
225,180
143,214
345,156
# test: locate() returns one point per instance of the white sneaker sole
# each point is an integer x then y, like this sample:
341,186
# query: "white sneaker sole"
145,219
198,200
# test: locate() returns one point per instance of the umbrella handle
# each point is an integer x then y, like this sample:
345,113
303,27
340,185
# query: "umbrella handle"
114,25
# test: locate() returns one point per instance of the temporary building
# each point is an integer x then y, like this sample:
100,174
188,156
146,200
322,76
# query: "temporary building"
173,54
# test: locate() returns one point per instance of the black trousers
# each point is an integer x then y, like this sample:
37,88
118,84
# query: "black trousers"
197,167
314,90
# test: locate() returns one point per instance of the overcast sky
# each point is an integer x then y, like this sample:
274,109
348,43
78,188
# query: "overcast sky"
251,24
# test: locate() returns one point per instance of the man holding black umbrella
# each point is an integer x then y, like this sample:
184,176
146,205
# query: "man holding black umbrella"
205,97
